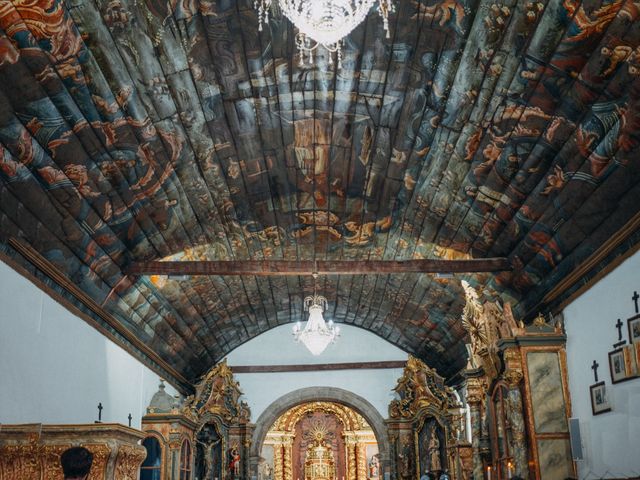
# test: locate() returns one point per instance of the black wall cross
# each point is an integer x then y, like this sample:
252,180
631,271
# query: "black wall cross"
594,367
635,300
619,327
130,417
100,407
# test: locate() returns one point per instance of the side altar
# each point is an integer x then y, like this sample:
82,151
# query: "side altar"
426,425
213,422
32,451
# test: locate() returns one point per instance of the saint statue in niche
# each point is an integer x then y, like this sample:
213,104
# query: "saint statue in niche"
434,452
234,461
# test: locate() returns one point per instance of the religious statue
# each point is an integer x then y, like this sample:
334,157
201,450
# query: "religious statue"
434,452
374,467
234,461
207,442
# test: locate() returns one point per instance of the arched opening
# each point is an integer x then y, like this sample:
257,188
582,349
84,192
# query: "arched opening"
151,468
185,460
323,395
320,441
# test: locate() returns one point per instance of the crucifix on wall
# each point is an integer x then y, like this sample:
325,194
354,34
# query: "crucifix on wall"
620,342
635,300
594,367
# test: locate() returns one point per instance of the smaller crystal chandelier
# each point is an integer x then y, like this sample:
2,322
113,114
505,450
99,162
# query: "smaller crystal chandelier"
317,334
323,22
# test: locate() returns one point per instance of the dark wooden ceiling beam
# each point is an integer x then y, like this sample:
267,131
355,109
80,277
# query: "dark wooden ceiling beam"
318,367
321,267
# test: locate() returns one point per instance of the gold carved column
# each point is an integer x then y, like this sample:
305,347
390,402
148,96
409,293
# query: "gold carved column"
352,462
278,461
512,377
287,447
361,451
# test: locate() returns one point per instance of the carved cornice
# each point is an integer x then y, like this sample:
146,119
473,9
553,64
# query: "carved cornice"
512,374
512,377
476,390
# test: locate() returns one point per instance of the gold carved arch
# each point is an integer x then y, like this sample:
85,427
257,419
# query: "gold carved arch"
349,418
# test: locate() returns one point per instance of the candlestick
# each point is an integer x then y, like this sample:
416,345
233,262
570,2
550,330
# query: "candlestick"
488,473
509,473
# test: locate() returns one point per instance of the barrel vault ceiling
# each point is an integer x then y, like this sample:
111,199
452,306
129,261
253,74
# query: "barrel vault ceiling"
141,130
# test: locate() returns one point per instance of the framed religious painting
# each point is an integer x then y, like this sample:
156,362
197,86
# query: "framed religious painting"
634,329
630,364
599,399
619,368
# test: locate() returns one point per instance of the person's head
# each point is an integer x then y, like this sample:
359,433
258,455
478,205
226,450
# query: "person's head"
76,463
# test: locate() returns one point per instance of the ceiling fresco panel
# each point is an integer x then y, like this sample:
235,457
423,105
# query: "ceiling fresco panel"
142,131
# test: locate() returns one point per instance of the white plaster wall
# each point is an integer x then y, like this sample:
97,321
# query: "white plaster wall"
55,368
277,347
611,441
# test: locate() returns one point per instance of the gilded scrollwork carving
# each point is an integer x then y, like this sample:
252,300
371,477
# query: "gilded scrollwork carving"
50,457
418,388
351,458
347,416
26,455
512,377
429,420
288,458
486,324
512,374
278,462
128,462
101,455
19,461
218,393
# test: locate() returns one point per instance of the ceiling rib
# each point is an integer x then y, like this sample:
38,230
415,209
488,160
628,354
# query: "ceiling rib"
321,267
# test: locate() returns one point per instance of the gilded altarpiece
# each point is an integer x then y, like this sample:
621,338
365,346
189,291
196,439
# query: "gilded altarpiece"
320,441
425,426
214,421
33,451
517,392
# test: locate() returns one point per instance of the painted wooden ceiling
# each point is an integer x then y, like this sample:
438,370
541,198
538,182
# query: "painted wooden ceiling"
138,130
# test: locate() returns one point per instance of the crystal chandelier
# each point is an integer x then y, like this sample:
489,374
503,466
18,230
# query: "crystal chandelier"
323,22
317,334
